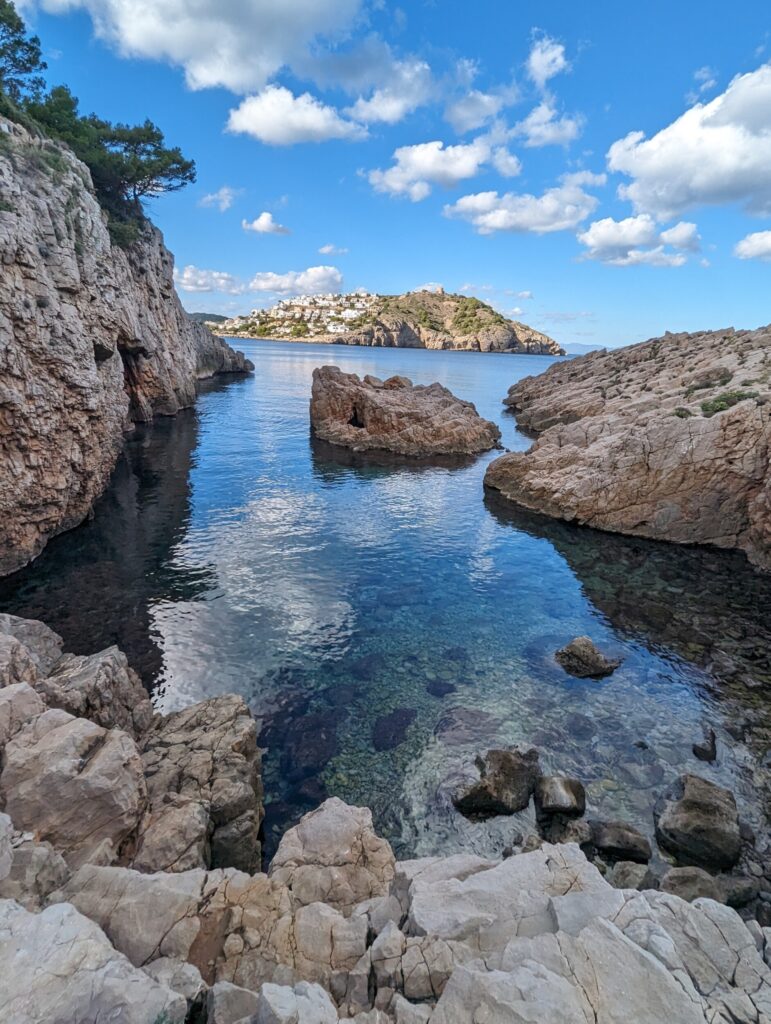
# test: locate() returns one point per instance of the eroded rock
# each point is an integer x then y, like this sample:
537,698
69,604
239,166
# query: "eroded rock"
582,658
697,821
506,781
555,795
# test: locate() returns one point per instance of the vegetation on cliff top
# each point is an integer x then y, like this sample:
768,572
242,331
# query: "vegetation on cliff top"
128,163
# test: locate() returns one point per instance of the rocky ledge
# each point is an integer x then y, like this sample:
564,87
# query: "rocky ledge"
92,338
395,415
130,887
668,439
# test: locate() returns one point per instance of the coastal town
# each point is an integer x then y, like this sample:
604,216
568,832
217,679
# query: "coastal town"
302,316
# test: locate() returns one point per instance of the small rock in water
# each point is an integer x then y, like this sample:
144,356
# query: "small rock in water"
617,840
555,795
706,751
506,782
583,659
439,688
389,730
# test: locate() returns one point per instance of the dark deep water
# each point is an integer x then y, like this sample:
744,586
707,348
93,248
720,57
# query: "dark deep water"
387,620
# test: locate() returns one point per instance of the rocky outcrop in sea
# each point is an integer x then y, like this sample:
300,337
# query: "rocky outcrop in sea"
395,415
92,338
131,889
668,439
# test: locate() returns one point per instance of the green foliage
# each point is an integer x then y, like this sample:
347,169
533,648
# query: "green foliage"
20,58
719,378
299,330
6,207
726,400
682,413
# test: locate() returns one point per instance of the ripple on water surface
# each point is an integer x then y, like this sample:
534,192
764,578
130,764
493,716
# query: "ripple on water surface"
386,620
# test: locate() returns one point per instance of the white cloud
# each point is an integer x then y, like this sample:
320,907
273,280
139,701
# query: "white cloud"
265,225
417,168
223,198
546,59
705,80
542,126
516,311
523,295
756,246
714,153
192,279
558,209
635,241
278,117
332,250
430,286
409,87
473,110
298,282
239,44
506,164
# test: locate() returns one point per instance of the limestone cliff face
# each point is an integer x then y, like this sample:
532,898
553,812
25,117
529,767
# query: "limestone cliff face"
668,439
398,332
92,337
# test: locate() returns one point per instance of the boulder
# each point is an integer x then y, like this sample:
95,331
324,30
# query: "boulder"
629,874
707,749
616,840
697,821
333,855
583,659
303,1004
208,754
179,977
43,646
504,784
690,883
227,1004
6,850
16,662
58,967
19,704
173,836
394,415
36,870
557,795
73,783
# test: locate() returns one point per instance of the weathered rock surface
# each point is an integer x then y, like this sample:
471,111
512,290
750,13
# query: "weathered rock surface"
668,439
697,821
506,780
394,415
58,967
556,795
92,336
582,658
619,841
43,646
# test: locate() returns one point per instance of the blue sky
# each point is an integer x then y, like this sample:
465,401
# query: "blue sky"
483,146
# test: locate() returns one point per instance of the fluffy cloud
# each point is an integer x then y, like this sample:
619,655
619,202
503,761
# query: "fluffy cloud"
278,117
546,59
756,246
417,168
192,279
223,198
473,110
238,44
298,282
705,80
542,126
715,153
265,225
505,163
332,250
558,209
410,86
636,241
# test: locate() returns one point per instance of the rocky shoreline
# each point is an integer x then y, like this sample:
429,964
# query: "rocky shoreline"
130,883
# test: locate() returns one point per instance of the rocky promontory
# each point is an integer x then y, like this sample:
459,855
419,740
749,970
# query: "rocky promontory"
92,338
668,439
395,415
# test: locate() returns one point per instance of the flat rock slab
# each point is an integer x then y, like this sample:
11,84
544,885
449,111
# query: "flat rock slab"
395,415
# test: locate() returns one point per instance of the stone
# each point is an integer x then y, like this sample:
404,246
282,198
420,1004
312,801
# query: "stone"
389,730
690,883
629,874
208,754
6,850
506,781
706,751
583,659
19,704
16,662
617,840
73,784
92,337
173,836
58,967
43,646
660,439
410,1013
227,1004
36,871
334,855
303,1004
557,795
100,687
420,420
179,977
697,821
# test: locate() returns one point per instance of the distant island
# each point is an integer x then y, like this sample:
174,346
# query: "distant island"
420,319
207,318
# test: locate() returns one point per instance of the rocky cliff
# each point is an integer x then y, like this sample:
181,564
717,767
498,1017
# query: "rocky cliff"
92,337
668,439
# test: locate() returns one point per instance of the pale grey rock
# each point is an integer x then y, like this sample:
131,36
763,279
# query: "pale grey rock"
582,658
19,704
227,1004
59,968
396,416
36,871
43,645
73,783
697,821
16,663
208,753
434,869
100,687
180,977
379,911
370,1017
173,836
303,1004
334,855
6,851
406,1012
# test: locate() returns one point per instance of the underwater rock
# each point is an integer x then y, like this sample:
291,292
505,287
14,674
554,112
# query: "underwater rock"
389,730
505,783
556,795
583,659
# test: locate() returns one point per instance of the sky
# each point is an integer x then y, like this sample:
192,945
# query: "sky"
599,171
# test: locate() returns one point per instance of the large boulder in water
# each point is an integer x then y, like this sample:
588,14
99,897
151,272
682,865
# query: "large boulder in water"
395,415
697,821
504,784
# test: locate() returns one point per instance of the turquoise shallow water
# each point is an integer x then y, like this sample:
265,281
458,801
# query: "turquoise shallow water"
385,621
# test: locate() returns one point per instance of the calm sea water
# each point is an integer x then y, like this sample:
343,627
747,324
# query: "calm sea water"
387,620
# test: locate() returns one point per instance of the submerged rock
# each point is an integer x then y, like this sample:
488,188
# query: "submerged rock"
505,783
556,795
697,821
419,420
389,730
583,659
617,840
